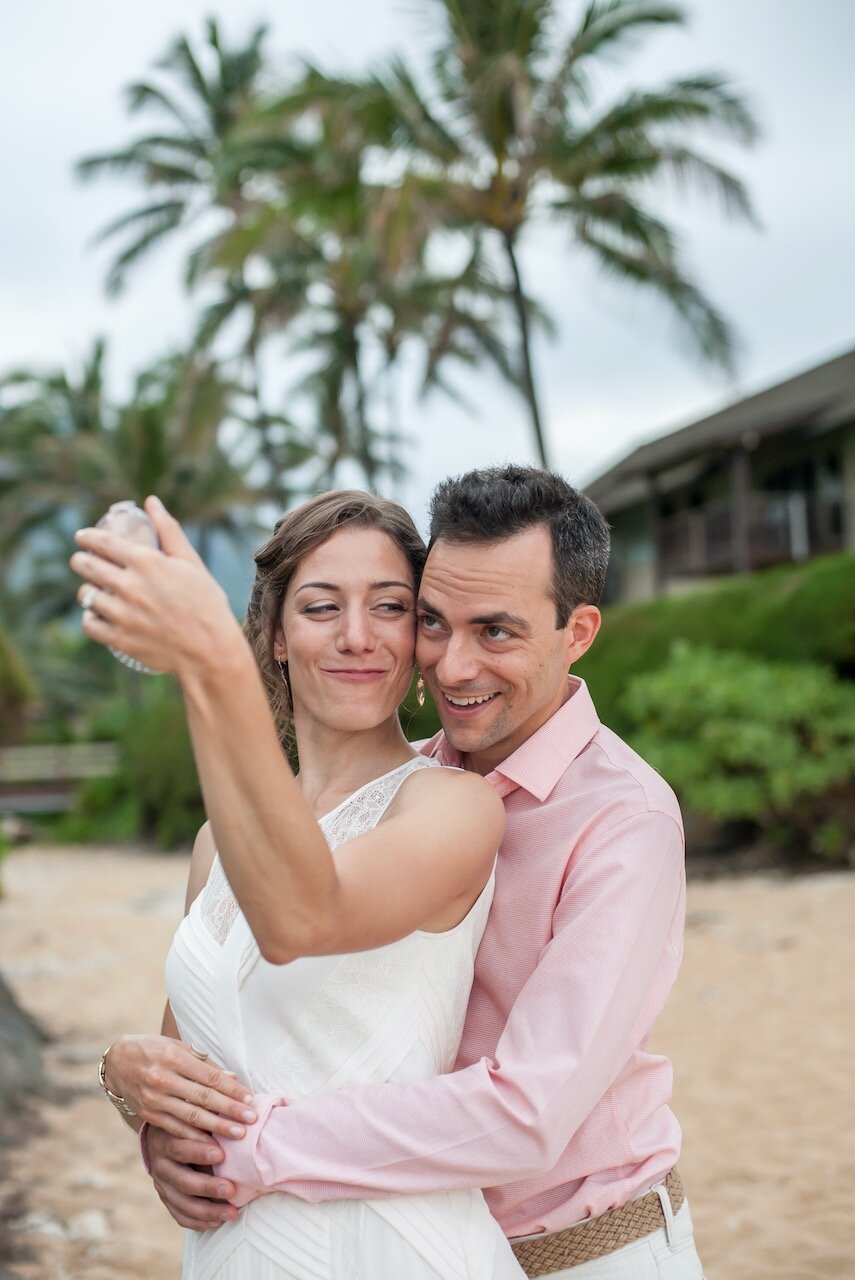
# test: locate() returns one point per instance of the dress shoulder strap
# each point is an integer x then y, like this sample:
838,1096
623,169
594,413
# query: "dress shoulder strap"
364,809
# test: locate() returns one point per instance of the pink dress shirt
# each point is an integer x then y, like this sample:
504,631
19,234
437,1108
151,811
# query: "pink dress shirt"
554,1107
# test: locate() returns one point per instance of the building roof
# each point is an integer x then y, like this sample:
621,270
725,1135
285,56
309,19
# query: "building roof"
816,401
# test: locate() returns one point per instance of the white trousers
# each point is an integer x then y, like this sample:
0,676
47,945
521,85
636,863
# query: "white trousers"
667,1254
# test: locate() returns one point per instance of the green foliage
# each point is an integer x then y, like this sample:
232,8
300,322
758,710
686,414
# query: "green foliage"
796,613
158,760
419,723
68,451
743,739
155,795
106,812
330,191
16,690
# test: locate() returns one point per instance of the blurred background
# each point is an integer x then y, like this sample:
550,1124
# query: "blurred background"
250,254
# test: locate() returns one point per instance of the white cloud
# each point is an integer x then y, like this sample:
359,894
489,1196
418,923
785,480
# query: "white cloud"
616,374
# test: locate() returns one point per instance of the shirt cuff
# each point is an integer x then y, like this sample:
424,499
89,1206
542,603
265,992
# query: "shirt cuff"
240,1165
143,1137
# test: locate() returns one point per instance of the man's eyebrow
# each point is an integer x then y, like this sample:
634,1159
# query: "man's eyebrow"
372,586
427,607
499,619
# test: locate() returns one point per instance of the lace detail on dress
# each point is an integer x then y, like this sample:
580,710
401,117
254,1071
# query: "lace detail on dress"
218,904
364,809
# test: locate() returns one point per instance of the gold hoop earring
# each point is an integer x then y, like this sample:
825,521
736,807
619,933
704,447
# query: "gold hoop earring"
420,691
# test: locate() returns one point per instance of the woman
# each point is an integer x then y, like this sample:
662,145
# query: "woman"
296,968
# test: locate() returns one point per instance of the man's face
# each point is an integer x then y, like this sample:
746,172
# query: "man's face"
487,642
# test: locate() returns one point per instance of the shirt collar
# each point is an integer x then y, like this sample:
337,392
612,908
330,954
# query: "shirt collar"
540,761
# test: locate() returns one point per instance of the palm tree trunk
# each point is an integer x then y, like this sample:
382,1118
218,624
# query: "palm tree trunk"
365,455
521,309
278,491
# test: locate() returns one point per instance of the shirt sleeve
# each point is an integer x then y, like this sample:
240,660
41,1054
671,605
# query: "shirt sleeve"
588,1005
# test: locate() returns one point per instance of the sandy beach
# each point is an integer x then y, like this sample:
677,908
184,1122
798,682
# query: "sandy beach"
760,1028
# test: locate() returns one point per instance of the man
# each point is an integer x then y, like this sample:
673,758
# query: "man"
554,1107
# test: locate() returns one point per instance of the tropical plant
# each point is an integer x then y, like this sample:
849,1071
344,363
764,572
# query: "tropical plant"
505,115
790,613
16,690
189,164
204,171
154,794
340,257
742,739
67,454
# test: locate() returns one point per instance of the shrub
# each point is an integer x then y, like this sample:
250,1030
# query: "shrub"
158,760
155,794
16,690
740,738
795,613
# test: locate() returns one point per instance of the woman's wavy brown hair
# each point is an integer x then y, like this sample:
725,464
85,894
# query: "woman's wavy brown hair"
294,536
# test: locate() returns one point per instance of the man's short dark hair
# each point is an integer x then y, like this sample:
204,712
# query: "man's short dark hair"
498,502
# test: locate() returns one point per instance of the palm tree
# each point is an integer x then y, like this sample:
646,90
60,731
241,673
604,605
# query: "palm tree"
200,166
67,454
189,164
342,260
506,117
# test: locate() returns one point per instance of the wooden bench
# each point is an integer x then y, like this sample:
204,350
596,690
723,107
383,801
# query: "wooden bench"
44,778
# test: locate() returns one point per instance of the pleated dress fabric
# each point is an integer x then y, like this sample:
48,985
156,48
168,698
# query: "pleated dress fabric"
318,1023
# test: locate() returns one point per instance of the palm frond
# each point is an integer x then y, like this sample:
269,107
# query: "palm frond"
714,338
607,29
140,154
142,95
154,232
710,179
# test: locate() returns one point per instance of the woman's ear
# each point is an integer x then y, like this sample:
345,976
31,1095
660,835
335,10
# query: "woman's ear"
280,649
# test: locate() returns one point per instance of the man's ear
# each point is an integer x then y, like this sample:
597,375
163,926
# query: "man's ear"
581,631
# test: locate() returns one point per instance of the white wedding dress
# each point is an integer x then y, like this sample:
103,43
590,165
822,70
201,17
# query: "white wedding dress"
394,1013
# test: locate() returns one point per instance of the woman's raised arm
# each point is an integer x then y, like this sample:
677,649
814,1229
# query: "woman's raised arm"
429,857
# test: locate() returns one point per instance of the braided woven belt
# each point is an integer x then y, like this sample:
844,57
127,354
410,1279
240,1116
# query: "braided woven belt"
596,1237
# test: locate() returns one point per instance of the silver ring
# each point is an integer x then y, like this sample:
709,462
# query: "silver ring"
87,600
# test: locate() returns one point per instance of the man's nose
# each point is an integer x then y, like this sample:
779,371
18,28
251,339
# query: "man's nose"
459,663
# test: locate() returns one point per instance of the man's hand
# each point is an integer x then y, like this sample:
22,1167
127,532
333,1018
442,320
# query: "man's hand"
186,1183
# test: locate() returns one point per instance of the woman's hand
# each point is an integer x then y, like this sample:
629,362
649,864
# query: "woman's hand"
162,607
173,1087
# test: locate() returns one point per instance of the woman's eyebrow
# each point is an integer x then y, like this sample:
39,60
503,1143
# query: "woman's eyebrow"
372,586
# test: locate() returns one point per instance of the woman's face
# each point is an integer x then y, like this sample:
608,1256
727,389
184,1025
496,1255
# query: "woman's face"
348,630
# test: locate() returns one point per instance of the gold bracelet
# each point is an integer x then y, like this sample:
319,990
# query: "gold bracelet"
119,1103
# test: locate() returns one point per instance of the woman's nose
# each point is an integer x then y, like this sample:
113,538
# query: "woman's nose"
356,633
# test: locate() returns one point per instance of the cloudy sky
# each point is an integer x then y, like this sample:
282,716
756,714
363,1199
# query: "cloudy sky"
618,373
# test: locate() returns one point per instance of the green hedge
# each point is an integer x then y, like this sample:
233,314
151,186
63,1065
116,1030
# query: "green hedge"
745,740
796,613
